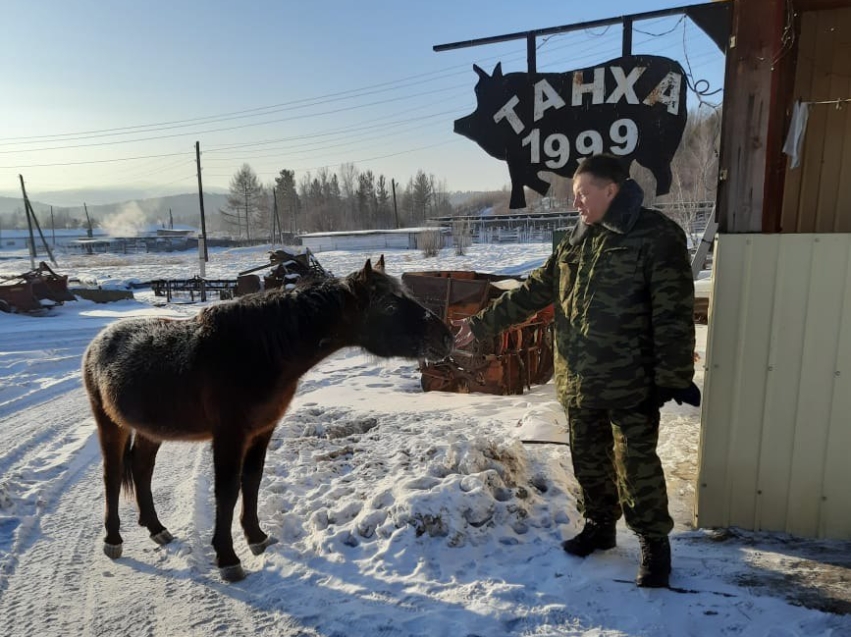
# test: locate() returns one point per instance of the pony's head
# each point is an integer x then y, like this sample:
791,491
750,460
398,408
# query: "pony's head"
391,321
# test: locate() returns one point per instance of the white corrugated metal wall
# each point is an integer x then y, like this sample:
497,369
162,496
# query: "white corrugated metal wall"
776,437
359,241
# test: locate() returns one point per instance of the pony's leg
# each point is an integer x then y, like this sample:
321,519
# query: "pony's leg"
228,453
113,440
252,473
143,459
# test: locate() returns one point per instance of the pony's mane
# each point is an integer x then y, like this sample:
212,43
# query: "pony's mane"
280,322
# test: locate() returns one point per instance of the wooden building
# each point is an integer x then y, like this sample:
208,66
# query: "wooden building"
776,422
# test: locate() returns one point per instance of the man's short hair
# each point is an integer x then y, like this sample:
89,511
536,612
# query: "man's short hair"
604,166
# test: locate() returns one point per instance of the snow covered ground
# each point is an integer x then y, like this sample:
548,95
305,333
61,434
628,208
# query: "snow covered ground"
399,512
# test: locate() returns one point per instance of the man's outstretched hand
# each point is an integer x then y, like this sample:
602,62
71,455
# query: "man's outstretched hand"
689,395
464,336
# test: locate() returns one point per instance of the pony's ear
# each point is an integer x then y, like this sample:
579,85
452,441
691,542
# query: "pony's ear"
367,269
380,265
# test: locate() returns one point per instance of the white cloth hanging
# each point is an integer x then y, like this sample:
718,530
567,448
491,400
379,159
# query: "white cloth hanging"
797,128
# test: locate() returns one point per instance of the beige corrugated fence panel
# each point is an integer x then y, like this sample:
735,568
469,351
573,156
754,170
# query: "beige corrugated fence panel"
775,449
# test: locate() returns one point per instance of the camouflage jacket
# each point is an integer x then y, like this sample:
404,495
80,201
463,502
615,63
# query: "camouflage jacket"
624,302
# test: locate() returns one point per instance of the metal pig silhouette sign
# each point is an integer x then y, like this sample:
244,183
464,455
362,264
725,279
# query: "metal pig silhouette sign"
633,106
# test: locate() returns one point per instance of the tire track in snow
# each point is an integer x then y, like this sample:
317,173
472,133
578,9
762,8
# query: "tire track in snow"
48,391
35,473
22,383
29,433
54,578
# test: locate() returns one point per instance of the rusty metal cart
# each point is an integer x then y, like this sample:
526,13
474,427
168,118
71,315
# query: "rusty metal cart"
505,364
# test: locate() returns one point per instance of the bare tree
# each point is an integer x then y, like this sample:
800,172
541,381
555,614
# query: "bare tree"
461,238
430,242
695,170
440,200
348,192
422,195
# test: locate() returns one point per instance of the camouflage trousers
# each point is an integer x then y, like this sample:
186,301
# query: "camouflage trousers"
618,470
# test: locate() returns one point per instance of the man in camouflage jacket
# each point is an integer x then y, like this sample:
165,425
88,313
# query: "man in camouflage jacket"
623,295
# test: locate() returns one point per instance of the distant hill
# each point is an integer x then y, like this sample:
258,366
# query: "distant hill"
137,212
94,196
458,197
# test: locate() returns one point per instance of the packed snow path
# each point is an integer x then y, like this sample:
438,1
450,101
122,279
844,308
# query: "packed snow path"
399,513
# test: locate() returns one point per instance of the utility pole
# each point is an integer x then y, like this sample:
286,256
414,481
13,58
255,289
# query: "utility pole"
29,224
89,232
247,231
31,215
275,219
41,234
201,199
53,226
170,220
395,209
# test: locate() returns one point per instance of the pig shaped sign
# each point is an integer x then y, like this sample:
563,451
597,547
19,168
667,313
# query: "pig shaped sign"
633,106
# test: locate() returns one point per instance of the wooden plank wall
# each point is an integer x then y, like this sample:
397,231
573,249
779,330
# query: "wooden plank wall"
777,390
817,194
749,76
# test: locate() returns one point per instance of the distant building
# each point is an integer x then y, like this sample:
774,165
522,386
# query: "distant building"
514,227
148,239
20,239
401,238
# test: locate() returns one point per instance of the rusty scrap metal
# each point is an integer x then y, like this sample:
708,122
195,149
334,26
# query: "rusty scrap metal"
34,291
505,364
287,268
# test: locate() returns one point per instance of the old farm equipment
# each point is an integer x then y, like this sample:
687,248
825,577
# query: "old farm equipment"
505,364
286,269
34,291
194,287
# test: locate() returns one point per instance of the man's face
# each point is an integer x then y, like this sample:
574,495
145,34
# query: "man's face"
592,196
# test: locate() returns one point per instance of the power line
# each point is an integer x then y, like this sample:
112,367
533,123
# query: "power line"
252,112
382,125
218,130
198,120
353,139
657,35
92,161
345,131
355,161
371,89
268,110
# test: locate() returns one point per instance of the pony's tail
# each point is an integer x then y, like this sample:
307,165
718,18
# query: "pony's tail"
127,478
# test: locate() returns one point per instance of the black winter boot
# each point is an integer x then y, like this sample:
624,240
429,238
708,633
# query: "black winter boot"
596,536
655,567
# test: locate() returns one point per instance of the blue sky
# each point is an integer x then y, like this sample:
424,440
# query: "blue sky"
298,85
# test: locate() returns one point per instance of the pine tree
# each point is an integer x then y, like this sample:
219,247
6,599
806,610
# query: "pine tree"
382,204
245,201
288,201
422,195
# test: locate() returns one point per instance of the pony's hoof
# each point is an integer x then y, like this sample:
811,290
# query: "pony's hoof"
163,537
260,547
113,551
233,573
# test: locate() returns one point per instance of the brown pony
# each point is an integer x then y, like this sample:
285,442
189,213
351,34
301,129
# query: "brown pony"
228,375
